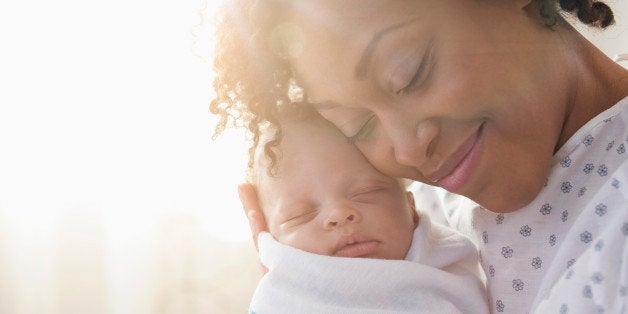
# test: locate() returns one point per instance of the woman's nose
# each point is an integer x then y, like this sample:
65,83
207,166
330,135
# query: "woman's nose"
341,216
413,146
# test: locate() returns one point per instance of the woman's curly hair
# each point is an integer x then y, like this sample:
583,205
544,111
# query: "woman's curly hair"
254,82
594,13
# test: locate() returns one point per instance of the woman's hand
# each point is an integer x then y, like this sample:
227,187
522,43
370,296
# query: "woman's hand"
252,210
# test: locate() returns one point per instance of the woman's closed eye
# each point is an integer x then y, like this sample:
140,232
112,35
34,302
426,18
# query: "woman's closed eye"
420,74
364,130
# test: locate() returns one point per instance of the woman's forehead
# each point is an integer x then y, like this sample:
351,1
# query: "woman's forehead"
345,7
344,16
339,41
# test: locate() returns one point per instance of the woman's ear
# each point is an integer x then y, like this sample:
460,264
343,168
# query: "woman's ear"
415,214
523,3
543,11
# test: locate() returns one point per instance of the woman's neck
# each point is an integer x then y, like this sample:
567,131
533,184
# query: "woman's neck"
597,82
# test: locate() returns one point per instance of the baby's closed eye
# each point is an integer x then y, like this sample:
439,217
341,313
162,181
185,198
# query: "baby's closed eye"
368,194
299,217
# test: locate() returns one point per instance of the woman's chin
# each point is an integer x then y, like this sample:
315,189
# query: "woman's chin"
506,200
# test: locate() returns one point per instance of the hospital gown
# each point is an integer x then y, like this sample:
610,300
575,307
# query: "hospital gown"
565,252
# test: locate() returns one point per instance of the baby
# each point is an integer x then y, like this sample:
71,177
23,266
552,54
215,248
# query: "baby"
346,238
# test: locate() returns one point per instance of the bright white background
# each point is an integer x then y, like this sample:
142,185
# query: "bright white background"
105,105
113,198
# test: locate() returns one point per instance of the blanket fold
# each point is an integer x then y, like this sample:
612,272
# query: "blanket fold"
439,275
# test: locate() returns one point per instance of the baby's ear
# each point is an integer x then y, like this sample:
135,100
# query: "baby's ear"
415,214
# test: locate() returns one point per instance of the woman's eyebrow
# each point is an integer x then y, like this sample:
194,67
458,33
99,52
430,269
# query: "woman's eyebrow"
361,69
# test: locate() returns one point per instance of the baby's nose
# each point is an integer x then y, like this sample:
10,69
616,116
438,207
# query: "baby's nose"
340,217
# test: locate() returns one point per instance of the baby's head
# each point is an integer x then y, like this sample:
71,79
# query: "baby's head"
324,197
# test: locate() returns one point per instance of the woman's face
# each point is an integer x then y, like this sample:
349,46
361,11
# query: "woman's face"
466,95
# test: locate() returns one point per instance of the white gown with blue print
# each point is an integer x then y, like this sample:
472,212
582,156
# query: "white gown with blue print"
566,252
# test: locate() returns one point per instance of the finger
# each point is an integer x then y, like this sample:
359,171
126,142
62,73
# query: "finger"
264,268
248,197
252,210
253,216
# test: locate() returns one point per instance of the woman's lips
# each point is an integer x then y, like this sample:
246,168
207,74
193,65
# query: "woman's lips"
355,246
456,170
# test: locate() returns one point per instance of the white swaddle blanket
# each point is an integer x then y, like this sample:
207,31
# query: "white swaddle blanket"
439,275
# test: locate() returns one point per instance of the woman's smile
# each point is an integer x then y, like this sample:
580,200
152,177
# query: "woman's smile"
457,169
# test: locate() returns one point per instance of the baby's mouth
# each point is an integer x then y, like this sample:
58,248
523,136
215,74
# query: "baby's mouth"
355,246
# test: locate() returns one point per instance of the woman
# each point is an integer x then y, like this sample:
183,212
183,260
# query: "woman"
495,100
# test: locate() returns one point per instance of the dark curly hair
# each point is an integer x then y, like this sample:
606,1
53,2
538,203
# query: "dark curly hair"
254,82
594,13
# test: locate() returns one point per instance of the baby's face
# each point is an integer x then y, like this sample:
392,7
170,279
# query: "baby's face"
328,199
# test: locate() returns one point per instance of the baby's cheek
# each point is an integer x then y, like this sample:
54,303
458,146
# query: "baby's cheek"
302,238
405,240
